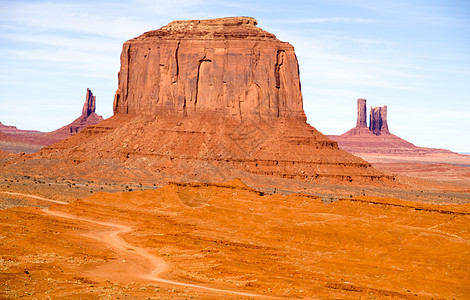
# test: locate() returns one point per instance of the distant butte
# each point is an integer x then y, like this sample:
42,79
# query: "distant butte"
31,141
202,100
376,138
390,153
88,117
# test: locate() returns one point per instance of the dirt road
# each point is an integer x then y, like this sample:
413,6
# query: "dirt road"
111,237
34,197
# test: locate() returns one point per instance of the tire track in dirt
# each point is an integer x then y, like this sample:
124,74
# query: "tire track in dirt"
159,265
34,197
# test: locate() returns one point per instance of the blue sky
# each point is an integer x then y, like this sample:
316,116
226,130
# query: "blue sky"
413,56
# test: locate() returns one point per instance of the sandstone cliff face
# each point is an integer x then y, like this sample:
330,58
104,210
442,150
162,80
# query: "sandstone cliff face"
227,67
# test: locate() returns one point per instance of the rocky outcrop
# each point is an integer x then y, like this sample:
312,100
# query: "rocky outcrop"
361,113
31,141
88,117
377,138
378,120
225,67
90,104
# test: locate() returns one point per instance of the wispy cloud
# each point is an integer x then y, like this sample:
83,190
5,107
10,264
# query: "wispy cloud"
68,19
446,13
324,62
325,20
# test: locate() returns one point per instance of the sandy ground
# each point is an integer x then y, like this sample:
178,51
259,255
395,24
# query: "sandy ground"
159,266
451,168
211,241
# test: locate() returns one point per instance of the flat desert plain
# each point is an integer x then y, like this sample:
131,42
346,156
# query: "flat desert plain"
230,241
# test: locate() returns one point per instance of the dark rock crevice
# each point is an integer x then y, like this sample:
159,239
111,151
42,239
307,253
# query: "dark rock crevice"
198,78
175,79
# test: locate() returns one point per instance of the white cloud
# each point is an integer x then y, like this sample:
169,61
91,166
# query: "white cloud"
323,61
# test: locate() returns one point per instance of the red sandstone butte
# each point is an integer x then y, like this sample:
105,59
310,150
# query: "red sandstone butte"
378,120
227,67
201,100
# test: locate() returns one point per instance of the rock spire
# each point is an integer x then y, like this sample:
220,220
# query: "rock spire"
88,117
361,113
90,104
378,120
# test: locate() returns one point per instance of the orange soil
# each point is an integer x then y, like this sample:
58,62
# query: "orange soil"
435,171
234,239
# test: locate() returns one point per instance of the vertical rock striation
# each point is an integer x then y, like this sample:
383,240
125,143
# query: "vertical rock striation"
88,117
383,116
90,104
226,66
361,113
378,120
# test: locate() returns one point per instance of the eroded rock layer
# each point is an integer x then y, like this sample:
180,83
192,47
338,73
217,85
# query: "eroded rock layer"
148,149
